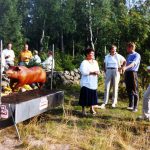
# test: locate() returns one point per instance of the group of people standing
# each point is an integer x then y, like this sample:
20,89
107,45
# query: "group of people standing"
114,65
25,56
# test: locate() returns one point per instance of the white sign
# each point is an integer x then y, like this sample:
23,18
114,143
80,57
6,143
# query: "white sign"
43,103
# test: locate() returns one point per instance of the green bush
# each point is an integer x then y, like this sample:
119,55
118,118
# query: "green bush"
32,63
67,62
77,60
43,55
63,61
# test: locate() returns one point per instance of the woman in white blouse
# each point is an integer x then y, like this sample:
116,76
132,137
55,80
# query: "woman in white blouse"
89,82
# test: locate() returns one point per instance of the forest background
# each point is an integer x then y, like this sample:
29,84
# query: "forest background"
72,25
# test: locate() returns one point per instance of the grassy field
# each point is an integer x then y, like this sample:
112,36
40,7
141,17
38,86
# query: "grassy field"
110,129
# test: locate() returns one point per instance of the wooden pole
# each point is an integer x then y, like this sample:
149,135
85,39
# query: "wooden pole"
52,69
1,47
73,49
105,50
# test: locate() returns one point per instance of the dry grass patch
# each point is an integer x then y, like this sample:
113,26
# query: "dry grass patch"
115,129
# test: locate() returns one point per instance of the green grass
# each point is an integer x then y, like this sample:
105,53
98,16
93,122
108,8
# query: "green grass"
110,129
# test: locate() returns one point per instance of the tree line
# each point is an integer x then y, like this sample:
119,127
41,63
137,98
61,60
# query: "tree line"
72,25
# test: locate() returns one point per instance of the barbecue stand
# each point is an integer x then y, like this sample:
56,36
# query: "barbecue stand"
18,107
12,112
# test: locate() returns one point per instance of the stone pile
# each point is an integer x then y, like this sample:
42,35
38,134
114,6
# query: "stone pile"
65,77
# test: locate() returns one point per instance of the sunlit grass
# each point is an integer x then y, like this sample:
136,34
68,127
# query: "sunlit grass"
110,129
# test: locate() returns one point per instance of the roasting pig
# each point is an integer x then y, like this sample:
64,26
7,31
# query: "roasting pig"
22,75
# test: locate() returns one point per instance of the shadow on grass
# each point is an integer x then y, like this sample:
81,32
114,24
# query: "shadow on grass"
53,115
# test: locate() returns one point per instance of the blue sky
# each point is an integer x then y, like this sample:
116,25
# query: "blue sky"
131,3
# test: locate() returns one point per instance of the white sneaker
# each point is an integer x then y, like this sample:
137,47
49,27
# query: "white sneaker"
102,106
134,110
140,118
113,105
130,108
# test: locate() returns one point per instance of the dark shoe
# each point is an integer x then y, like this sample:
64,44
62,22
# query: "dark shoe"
84,113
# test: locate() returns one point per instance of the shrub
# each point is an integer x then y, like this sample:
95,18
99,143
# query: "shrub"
67,62
32,63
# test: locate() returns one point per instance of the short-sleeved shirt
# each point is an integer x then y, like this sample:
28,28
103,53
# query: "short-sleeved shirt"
9,52
133,58
114,61
25,54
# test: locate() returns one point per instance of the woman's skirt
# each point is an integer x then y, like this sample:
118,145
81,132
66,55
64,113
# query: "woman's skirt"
88,97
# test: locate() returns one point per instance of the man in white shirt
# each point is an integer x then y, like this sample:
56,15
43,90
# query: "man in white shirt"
49,63
9,55
114,64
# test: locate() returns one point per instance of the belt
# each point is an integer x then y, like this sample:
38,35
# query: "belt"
111,68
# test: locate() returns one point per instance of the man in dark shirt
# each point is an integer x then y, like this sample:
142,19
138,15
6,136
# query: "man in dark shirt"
131,78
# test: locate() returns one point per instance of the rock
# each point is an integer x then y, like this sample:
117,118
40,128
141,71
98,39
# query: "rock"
76,70
66,73
72,73
67,77
71,78
77,76
65,82
71,81
76,82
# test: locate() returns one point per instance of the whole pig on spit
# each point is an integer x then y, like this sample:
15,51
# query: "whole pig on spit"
22,75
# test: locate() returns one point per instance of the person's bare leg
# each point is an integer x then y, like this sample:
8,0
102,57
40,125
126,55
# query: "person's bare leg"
92,110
